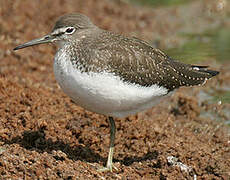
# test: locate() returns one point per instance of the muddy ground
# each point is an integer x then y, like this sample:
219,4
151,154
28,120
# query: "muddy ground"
44,135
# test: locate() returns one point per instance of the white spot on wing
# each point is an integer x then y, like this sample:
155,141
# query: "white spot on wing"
196,68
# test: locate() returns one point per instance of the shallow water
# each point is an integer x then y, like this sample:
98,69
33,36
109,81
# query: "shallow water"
210,47
159,2
213,45
220,98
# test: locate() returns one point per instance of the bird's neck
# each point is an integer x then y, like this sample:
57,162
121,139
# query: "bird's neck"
75,53
79,51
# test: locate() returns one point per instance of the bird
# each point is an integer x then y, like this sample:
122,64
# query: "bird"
112,74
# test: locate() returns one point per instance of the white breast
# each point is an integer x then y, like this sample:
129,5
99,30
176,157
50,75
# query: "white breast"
104,93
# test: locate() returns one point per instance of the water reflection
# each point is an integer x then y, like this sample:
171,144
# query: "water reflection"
213,45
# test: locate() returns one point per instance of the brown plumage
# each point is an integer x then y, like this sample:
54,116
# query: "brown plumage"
111,74
135,61
132,59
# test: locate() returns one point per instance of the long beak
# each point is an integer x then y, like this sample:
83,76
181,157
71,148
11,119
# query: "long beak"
46,39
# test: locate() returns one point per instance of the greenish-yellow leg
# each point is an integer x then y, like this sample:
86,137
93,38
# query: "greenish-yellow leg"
109,164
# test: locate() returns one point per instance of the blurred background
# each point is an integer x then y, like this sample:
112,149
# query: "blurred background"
192,31
43,133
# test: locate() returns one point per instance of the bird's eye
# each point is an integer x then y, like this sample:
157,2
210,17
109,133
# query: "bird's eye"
70,30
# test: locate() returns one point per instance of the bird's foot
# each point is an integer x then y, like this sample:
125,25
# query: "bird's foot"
103,169
107,168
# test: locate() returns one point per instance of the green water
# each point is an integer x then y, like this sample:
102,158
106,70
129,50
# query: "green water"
155,3
219,98
208,46
212,44
221,95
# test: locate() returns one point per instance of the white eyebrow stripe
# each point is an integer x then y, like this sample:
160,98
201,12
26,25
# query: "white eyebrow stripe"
61,30
58,31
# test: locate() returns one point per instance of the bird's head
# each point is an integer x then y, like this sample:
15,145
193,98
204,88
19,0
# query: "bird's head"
67,28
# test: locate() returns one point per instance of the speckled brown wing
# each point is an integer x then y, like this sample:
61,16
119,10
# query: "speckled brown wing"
137,62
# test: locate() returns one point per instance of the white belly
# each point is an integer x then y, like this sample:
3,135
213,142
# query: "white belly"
104,93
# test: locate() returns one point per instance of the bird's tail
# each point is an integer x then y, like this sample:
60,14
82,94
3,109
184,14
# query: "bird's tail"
208,72
191,75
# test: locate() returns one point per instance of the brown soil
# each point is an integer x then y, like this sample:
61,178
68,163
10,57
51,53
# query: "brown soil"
43,135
